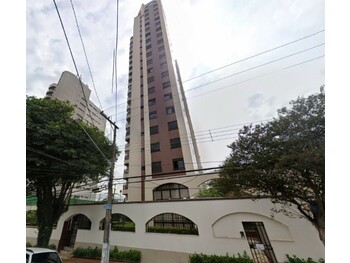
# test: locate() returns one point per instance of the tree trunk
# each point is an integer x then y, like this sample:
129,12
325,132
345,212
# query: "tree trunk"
319,216
321,232
44,213
50,208
44,235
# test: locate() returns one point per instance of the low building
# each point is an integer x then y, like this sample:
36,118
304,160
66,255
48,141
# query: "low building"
170,231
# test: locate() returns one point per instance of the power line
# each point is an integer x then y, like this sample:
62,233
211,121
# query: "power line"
215,130
240,72
259,76
86,58
255,55
75,65
76,68
244,59
261,65
98,148
174,176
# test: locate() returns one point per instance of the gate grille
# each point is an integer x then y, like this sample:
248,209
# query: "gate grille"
259,242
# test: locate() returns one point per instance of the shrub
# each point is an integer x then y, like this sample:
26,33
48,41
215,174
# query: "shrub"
295,259
202,258
28,244
87,252
129,255
52,246
123,228
31,218
173,230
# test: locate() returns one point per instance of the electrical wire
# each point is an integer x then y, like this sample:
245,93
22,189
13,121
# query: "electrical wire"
255,55
76,68
86,58
237,73
241,60
75,65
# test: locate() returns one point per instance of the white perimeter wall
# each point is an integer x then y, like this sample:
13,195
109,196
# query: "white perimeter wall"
219,223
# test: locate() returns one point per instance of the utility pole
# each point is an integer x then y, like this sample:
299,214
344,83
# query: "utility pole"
108,206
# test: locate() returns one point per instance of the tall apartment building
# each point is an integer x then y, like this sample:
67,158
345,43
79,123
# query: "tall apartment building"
69,88
160,148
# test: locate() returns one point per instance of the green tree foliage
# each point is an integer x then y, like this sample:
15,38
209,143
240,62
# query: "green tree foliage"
60,154
283,159
209,192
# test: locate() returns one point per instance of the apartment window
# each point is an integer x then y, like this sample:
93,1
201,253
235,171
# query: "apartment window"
148,54
155,147
148,40
151,90
154,130
159,34
166,84
169,110
157,18
170,191
150,70
158,29
156,13
147,24
163,64
156,167
148,47
148,34
168,96
151,102
147,29
149,61
150,79
157,23
160,41
178,164
153,115
165,74
175,143
161,48
172,125
127,131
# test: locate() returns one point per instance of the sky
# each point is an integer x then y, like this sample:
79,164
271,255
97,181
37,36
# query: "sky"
223,37
205,35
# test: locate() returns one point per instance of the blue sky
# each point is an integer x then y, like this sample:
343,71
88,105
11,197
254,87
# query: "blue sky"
205,35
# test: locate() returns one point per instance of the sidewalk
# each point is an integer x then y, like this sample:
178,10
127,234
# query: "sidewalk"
88,260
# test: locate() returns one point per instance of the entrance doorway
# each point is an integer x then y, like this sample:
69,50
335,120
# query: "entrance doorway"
70,230
259,242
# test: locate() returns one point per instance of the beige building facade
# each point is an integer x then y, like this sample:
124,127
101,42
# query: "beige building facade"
70,88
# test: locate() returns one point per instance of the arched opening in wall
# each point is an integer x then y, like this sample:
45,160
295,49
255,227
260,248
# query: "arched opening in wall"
259,242
119,222
70,230
171,223
171,191
206,189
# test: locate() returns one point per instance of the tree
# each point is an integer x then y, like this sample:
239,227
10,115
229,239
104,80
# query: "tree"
61,153
283,159
208,192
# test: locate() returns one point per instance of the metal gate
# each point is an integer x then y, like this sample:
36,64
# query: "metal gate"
259,242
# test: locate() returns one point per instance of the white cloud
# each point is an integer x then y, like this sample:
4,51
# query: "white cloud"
204,35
